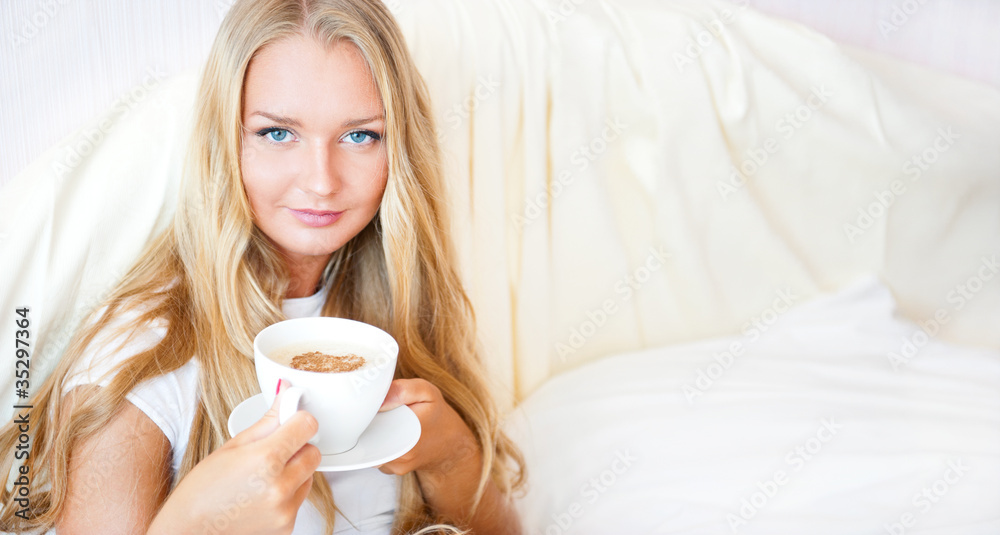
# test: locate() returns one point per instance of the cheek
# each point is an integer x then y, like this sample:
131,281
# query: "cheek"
264,178
251,185
253,195
375,186
375,191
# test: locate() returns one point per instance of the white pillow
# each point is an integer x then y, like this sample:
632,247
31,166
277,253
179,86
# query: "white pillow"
78,217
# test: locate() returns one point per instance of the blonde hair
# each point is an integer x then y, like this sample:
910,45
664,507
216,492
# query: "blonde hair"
217,280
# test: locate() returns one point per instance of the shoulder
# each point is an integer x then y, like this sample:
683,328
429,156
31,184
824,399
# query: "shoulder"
123,335
168,399
117,333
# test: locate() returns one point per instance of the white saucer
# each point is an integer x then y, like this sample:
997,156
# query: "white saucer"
389,436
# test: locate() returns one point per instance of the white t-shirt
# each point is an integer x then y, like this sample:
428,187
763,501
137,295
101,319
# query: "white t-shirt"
366,497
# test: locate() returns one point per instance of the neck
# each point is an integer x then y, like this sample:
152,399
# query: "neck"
305,275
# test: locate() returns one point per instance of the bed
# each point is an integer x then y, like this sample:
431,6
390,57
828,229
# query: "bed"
825,423
731,275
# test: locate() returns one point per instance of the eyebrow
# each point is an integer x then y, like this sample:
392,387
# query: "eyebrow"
292,122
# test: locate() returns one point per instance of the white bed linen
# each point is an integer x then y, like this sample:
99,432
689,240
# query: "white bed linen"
625,440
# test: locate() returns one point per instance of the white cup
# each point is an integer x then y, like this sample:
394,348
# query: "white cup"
344,403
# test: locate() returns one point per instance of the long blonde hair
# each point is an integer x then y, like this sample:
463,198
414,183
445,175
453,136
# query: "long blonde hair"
217,280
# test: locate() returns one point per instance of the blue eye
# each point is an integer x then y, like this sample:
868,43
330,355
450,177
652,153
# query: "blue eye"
278,135
359,137
275,135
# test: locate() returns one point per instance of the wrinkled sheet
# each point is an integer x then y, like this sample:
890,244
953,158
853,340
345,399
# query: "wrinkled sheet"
631,174
814,426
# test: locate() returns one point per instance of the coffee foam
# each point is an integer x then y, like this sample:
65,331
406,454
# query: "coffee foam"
283,355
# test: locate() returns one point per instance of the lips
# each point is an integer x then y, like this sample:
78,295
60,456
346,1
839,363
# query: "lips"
315,218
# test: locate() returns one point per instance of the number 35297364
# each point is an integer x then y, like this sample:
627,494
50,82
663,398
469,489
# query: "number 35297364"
22,352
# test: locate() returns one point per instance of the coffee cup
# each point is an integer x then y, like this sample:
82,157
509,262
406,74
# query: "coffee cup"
344,403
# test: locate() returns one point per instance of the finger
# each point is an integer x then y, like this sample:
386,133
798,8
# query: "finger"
289,437
401,465
407,392
267,423
303,491
304,463
390,469
396,468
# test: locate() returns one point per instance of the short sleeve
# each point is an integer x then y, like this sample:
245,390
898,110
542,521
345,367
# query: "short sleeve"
169,400
107,349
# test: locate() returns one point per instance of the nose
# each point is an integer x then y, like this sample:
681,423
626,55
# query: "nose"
322,176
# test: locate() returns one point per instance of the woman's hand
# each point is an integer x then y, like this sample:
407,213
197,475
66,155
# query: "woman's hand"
448,461
254,484
445,444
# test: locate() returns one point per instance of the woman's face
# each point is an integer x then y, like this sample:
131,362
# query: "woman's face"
314,165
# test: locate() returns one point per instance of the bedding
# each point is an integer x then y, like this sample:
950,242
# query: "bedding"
617,195
736,272
838,417
622,176
708,155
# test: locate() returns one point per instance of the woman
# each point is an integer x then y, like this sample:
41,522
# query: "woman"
313,186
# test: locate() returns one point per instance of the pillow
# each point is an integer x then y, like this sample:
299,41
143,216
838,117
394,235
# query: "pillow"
78,217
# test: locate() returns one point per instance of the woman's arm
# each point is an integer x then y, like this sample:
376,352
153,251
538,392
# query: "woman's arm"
254,484
448,461
118,477
450,493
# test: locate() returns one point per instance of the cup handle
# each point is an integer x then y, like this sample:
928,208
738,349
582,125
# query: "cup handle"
289,404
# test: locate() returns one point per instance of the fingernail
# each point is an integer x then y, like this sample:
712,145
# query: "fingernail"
278,390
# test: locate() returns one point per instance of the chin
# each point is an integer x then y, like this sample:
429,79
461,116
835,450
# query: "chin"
301,242
313,248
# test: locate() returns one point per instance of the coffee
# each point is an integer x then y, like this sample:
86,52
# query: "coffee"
315,361
322,356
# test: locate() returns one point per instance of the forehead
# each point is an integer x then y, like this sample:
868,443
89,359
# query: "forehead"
303,78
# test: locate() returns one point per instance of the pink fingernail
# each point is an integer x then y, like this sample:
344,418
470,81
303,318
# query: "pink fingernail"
277,390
